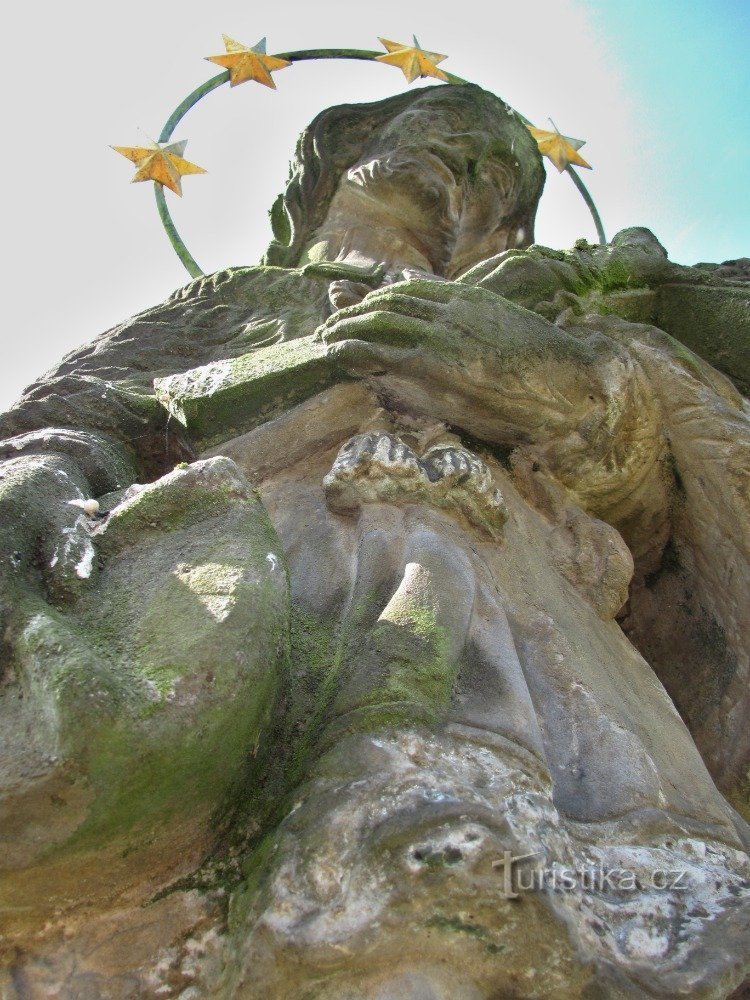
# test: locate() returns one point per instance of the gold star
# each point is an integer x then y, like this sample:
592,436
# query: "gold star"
561,149
244,63
163,164
413,60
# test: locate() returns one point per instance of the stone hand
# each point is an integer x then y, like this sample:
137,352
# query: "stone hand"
493,368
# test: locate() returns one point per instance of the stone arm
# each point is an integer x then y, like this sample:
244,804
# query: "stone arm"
107,386
574,407
505,376
707,308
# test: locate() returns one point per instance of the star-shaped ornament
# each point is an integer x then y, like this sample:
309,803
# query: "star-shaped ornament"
246,63
561,149
163,164
412,60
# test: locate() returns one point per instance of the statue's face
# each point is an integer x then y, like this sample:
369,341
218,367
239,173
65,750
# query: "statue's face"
433,191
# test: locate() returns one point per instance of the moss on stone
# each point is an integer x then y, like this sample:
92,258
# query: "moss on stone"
712,321
140,781
417,669
405,675
159,685
314,678
234,395
457,925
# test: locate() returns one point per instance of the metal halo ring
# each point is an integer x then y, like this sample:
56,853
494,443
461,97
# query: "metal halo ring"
199,93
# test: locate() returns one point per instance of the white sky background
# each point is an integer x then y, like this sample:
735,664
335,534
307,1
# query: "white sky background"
83,249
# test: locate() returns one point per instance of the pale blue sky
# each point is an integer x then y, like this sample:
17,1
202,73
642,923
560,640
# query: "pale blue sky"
687,65
659,90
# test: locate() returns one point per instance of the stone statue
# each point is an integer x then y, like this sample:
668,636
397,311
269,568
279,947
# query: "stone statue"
404,650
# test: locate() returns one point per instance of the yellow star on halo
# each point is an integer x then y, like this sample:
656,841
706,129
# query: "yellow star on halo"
244,63
413,60
163,164
561,149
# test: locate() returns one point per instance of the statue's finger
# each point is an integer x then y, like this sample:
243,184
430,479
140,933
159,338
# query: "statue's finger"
387,301
379,326
403,304
431,290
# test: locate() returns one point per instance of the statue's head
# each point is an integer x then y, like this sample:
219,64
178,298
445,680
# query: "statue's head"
436,180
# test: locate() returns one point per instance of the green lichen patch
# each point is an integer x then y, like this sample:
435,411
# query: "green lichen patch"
159,686
538,277
636,305
417,676
457,925
404,675
712,321
187,495
234,395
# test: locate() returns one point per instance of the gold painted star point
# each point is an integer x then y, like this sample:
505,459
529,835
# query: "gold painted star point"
163,164
412,60
561,149
248,63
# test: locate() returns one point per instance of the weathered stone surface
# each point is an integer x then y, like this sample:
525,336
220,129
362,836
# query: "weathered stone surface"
708,310
230,396
143,689
377,467
375,625
714,322
432,181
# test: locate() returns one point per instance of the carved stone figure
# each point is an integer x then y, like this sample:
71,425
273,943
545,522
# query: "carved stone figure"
404,653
